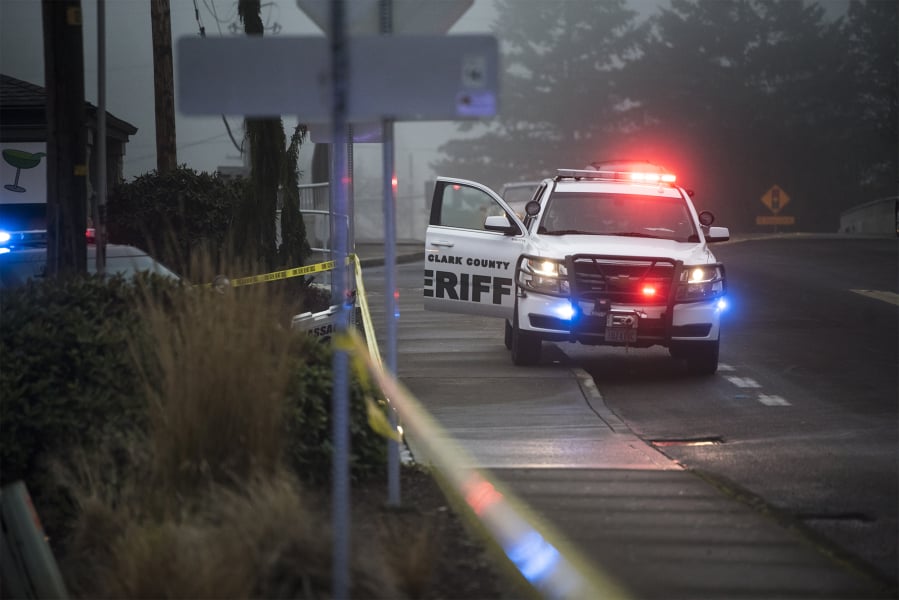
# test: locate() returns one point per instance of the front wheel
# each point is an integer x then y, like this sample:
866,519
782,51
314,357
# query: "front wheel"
525,346
701,357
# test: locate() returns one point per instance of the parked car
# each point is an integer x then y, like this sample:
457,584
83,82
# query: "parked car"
23,256
518,193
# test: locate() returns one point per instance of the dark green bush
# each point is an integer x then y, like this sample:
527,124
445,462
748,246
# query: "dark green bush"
175,214
66,374
68,382
309,421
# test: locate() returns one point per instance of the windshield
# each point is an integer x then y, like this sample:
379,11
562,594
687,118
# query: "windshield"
618,214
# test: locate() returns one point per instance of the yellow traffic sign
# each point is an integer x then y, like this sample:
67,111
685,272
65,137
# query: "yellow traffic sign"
769,220
775,199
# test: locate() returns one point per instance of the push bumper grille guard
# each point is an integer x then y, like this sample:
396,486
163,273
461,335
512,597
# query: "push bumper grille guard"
593,283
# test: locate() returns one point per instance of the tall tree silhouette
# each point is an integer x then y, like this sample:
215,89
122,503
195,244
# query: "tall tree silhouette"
273,176
871,72
748,92
734,96
559,90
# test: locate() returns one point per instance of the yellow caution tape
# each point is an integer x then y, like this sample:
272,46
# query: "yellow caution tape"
367,324
287,273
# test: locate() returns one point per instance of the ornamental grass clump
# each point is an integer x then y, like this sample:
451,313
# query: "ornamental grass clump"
202,502
217,385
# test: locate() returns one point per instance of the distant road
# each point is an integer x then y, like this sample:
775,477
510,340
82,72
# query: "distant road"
802,419
803,412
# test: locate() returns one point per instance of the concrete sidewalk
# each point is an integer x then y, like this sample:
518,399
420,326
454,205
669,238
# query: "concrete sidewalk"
658,530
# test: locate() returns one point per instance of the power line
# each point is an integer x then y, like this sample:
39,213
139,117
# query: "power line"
182,146
238,147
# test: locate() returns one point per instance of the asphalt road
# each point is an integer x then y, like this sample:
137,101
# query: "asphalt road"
802,415
803,412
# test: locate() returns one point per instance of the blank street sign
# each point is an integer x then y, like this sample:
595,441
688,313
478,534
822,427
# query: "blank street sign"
409,16
404,78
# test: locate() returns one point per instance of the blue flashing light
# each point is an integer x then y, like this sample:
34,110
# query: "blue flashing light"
721,305
4,250
566,311
4,237
534,557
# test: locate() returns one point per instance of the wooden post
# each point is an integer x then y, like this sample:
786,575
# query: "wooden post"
163,86
66,138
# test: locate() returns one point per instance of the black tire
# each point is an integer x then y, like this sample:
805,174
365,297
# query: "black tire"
701,357
507,337
525,345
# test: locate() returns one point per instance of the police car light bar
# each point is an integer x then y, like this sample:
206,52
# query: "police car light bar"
16,239
636,176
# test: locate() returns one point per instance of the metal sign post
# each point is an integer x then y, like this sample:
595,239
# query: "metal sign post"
340,486
372,78
390,298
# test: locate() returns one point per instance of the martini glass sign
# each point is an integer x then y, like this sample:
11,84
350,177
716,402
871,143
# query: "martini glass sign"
20,159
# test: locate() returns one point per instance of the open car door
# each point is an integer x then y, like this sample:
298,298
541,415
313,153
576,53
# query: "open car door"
468,267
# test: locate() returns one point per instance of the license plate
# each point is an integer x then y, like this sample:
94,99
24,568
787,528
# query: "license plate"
624,335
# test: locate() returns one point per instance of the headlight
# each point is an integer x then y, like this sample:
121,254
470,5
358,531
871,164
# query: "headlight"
544,275
700,283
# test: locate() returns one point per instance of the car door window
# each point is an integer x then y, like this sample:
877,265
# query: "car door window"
464,207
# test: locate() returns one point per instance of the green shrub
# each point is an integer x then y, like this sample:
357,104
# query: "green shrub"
175,214
66,374
204,388
309,418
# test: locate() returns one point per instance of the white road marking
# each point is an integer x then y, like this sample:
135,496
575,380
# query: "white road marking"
772,400
724,367
744,382
891,297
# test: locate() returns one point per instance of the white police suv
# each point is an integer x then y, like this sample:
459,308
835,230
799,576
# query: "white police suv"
615,255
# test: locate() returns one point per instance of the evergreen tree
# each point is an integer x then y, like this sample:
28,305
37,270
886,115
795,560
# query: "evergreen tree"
745,96
273,171
559,91
734,96
871,72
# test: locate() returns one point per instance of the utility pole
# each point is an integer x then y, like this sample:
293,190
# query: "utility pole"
66,137
163,86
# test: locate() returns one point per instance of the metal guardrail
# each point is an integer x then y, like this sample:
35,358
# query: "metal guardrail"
315,209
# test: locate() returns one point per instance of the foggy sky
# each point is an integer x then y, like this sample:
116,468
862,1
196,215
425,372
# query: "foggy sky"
203,143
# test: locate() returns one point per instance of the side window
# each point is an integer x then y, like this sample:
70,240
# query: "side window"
463,207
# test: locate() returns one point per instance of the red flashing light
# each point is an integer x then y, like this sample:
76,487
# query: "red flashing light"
394,182
481,495
457,187
649,291
653,177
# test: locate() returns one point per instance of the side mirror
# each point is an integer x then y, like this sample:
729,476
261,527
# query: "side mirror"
532,208
717,234
706,218
501,224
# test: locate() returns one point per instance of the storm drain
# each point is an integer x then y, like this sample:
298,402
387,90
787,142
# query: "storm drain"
857,517
698,441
